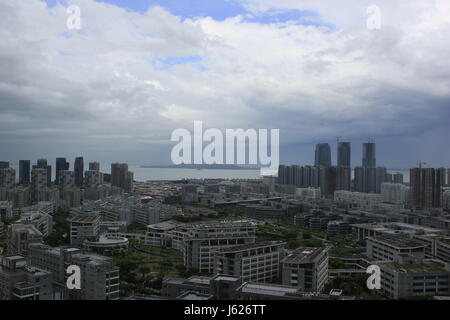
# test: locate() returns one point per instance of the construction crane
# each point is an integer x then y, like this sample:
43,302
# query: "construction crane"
421,163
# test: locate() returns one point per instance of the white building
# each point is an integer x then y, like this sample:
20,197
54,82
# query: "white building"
395,193
364,201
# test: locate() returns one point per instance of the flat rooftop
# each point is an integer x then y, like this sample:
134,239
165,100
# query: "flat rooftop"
249,246
303,255
268,289
398,241
84,218
426,266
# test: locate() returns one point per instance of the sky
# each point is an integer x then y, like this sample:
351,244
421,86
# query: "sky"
115,89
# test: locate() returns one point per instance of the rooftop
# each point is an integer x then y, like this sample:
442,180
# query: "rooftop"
303,255
426,266
242,247
397,241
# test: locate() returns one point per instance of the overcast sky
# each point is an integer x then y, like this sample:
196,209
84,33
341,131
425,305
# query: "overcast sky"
136,70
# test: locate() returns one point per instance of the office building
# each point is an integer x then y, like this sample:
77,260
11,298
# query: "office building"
20,236
306,269
79,171
24,172
99,275
390,247
256,262
323,155
84,227
19,281
409,277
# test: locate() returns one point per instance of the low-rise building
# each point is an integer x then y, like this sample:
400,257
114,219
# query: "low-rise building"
306,268
99,274
256,262
84,227
19,281
406,278
389,248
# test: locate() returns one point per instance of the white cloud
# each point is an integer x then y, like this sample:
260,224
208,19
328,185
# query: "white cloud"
308,81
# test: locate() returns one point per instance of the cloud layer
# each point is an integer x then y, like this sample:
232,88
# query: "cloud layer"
116,88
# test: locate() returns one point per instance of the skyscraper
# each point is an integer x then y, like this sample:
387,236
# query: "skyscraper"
369,154
323,155
4,164
343,170
7,178
42,163
94,166
121,177
24,172
398,177
61,164
344,154
426,187
38,184
79,171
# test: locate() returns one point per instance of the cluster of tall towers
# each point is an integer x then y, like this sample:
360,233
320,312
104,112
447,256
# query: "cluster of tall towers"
367,177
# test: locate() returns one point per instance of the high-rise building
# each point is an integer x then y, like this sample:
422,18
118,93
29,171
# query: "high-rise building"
426,187
369,154
306,268
61,164
42,163
94,166
442,174
79,171
369,179
38,184
327,181
398,177
344,154
323,155
24,172
343,178
121,177
4,164
7,178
